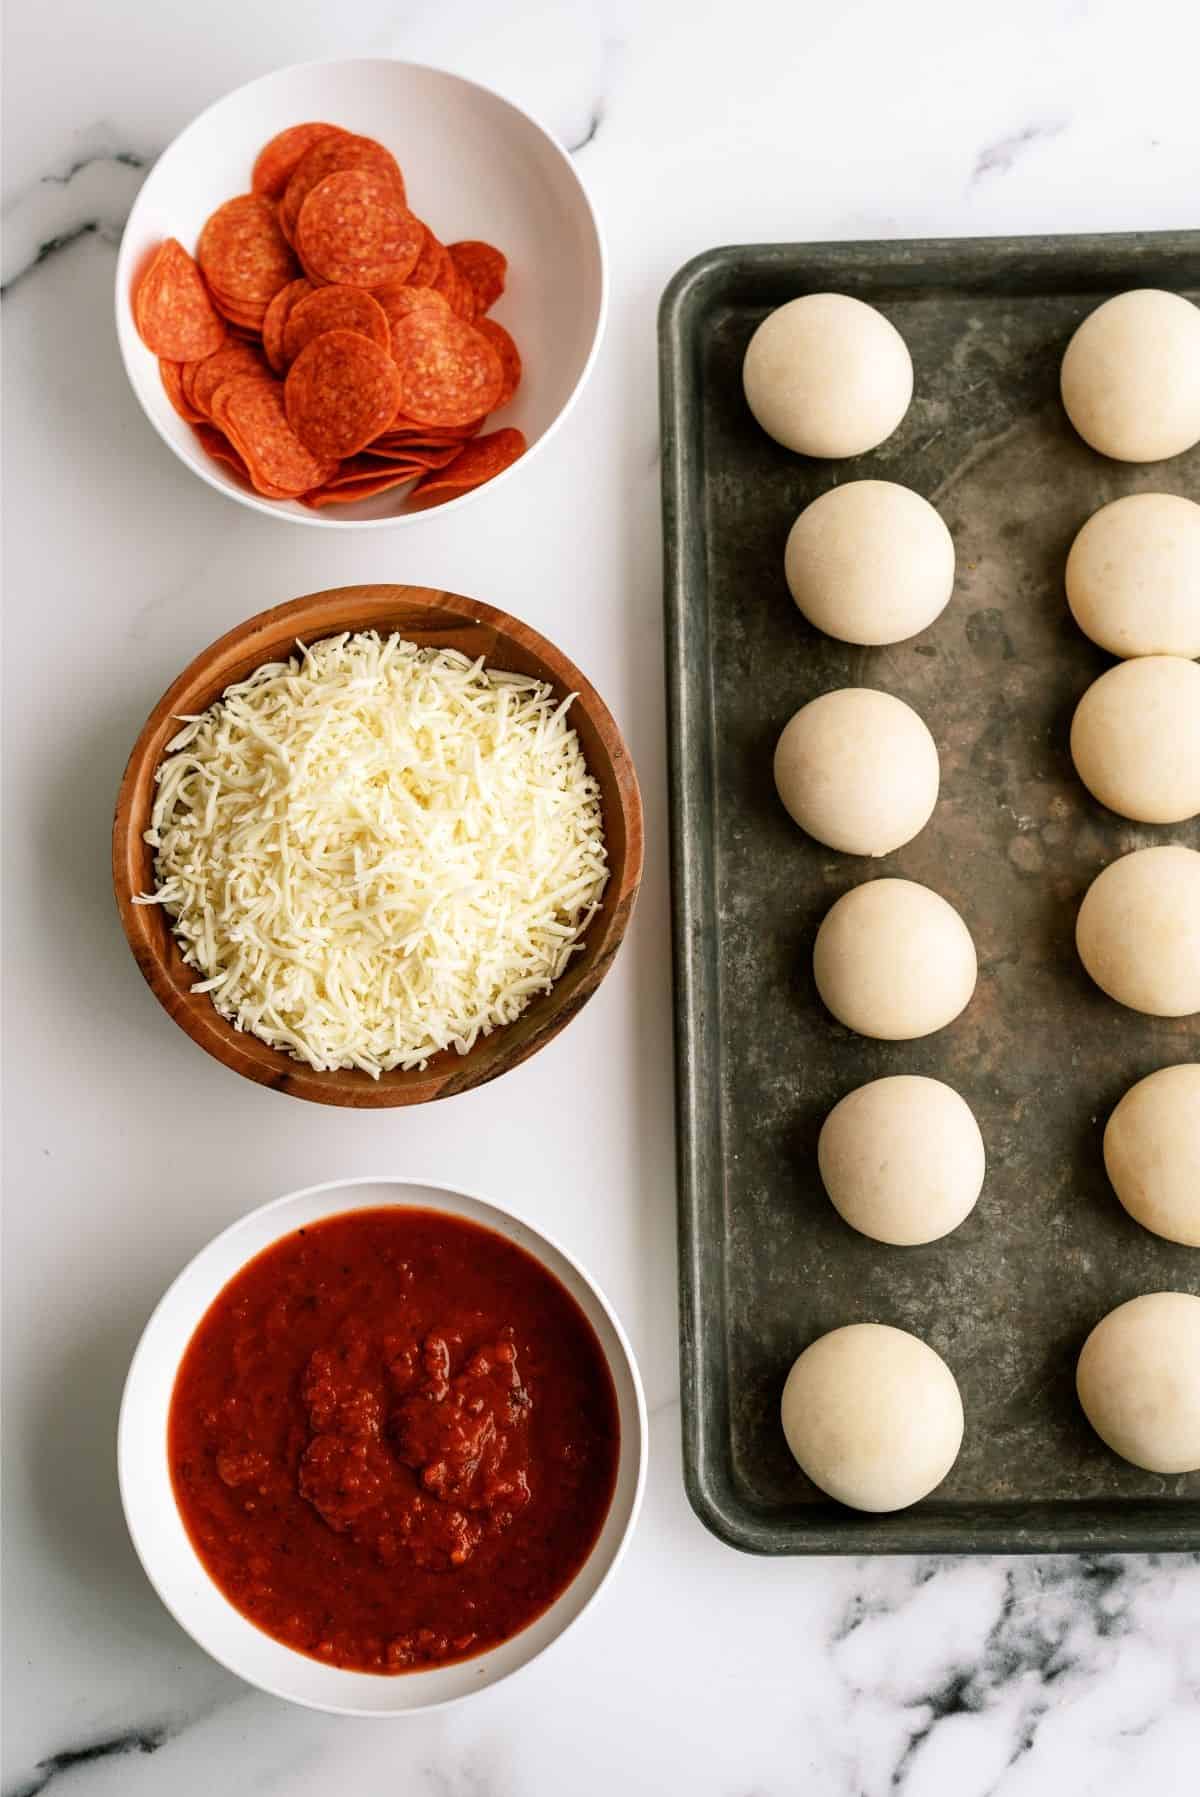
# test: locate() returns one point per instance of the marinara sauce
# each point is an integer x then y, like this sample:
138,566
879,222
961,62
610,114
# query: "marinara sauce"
393,1439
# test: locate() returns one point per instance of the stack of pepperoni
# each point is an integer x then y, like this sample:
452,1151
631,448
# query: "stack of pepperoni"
324,343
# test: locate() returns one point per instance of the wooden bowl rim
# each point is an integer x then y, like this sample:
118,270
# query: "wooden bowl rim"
325,613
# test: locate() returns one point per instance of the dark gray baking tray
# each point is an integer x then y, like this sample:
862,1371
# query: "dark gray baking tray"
1041,1054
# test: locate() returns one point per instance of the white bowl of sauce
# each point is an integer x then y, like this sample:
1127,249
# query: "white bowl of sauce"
380,1444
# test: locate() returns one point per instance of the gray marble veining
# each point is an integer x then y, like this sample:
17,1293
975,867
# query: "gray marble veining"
702,1673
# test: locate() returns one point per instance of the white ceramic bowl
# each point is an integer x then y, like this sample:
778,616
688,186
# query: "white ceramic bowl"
163,1545
475,166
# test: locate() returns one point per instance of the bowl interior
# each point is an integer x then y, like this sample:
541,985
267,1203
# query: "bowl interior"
162,1542
474,165
424,616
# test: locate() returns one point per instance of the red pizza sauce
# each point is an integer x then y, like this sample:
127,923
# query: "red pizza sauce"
393,1439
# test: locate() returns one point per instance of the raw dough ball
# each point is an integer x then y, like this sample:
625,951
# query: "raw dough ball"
1131,376
1138,930
1152,1152
827,375
1138,1380
858,770
1133,576
870,562
1135,739
902,1159
895,961
873,1416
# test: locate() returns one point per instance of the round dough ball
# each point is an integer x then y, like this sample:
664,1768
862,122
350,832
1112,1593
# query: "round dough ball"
827,375
1131,376
858,770
1138,930
1133,576
902,1159
1152,1152
893,960
870,562
1138,1380
873,1416
1135,739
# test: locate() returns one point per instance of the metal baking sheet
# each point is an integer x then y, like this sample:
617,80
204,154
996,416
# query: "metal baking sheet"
1040,1054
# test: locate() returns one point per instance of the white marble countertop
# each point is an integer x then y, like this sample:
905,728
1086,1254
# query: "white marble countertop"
702,1673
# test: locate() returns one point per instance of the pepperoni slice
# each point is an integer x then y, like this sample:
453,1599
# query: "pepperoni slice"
483,267
275,320
342,390
333,156
202,381
187,375
421,455
334,309
435,268
250,410
431,262
450,284
217,445
245,257
277,160
245,320
171,375
480,461
399,298
359,469
354,228
351,492
403,433
509,354
172,309
449,372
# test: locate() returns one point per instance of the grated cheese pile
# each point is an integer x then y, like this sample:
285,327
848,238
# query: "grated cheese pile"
372,852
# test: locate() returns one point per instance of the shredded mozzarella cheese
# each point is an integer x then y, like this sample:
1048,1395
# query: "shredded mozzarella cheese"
372,852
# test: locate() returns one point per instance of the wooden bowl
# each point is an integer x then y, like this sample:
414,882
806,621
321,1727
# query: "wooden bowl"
423,616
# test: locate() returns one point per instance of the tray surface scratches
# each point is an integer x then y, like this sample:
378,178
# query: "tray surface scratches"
1040,1054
